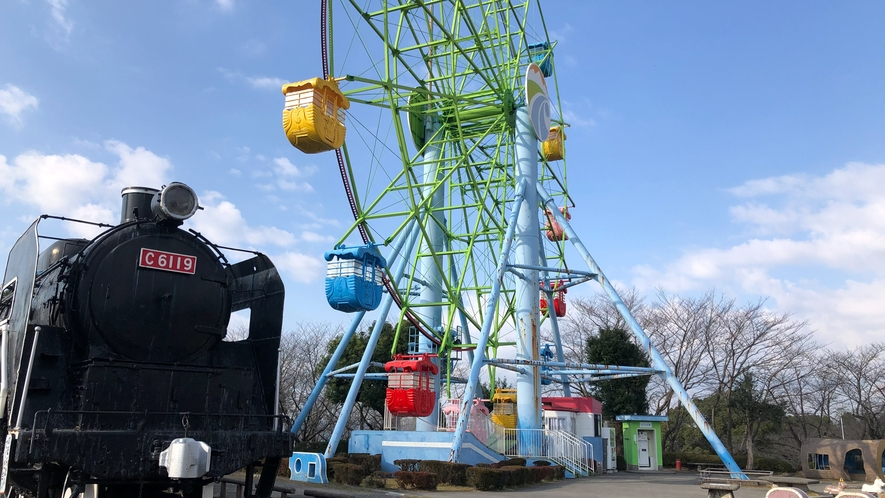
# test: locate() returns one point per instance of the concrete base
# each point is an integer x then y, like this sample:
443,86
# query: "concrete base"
399,445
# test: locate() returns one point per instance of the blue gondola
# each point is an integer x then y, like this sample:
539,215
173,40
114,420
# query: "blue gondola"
542,55
354,278
546,355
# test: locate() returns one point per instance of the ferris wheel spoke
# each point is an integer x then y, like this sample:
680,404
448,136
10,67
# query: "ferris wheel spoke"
434,86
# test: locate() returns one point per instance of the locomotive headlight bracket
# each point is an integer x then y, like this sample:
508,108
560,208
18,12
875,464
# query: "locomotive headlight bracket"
176,202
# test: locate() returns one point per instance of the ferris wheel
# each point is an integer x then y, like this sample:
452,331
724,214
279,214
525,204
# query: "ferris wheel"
446,124
430,148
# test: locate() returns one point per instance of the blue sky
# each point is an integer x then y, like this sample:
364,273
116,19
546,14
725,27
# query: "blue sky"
737,146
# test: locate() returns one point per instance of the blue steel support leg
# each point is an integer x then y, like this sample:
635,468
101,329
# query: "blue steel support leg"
656,358
321,382
554,323
525,252
491,307
430,266
370,348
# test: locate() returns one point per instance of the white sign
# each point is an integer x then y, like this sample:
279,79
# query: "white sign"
645,425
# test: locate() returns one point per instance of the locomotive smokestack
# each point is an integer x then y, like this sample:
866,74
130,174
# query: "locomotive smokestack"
137,203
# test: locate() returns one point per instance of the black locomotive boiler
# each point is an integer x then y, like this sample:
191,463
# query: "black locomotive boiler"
115,379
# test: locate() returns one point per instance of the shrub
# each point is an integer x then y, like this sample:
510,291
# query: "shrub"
369,463
375,480
415,480
408,465
516,476
485,478
447,472
347,473
541,463
511,462
483,465
547,473
559,472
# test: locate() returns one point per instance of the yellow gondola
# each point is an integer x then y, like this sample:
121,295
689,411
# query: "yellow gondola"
504,408
313,117
554,147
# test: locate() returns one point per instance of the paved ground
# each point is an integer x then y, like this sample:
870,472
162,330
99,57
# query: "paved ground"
619,485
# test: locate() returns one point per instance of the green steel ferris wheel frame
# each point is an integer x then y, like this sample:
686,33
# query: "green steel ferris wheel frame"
462,67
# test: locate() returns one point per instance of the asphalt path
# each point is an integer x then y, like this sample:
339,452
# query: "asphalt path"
618,485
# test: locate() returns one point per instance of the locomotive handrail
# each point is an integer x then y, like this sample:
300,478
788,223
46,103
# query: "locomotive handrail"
62,218
257,253
221,257
278,427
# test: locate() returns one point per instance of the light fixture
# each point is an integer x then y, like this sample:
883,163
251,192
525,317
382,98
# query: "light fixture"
175,201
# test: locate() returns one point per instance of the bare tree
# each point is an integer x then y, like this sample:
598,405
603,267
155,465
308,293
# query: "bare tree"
678,328
807,390
858,373
751,339
301,354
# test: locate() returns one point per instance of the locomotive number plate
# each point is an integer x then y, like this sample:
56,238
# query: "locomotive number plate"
168,261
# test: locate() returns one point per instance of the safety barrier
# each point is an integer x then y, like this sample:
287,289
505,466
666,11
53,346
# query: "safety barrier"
559,447
240,488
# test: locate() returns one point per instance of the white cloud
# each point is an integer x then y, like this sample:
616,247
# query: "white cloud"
257,82
60,27
284,167
309,236
14,101
225,5
52,183
223,223
285,172
574,119
817,249
75,186
138,167
300,267
262,82
560,35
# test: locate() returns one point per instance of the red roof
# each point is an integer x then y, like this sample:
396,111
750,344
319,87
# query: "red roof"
579,405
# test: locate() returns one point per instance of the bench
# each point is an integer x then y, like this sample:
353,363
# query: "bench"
790,482
720,490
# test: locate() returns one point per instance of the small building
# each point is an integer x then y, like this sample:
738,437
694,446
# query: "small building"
849,459
579,416
642,441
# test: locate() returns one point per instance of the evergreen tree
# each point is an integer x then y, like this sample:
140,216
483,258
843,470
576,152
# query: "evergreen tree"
372,392
618,396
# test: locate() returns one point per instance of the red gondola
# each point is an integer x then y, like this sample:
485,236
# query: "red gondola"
552,227
410,385
558,299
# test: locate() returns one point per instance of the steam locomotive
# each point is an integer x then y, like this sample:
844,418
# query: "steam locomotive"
114,378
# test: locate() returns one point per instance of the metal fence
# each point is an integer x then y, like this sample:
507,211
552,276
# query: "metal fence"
561,448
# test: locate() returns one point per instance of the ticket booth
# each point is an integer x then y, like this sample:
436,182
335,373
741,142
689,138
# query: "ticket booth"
642,441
